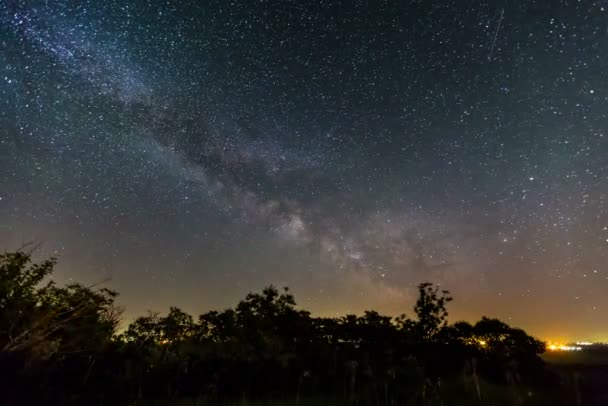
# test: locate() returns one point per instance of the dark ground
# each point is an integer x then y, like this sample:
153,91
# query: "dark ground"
586,372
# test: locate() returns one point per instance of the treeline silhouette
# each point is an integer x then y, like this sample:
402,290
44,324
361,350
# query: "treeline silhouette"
60,345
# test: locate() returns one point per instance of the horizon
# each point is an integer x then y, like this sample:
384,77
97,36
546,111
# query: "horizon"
562,338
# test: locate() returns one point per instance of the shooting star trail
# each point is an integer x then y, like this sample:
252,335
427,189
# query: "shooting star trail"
502,13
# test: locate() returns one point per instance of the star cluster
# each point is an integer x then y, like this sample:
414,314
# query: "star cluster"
193,151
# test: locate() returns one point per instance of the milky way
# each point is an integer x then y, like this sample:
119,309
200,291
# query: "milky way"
193,151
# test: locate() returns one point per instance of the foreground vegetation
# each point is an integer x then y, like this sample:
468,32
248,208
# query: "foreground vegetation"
59,345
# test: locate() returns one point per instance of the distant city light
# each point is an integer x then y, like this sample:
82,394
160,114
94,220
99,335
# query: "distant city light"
561,347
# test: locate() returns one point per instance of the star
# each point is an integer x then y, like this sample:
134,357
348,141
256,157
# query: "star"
200,150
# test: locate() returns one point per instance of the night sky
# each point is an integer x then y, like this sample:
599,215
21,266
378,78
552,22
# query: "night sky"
193,151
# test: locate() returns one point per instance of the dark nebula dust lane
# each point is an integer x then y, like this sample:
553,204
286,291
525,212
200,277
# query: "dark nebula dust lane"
194,151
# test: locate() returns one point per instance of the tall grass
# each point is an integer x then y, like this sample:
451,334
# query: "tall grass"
455,392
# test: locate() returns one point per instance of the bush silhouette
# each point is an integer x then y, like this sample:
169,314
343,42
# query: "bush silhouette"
63,341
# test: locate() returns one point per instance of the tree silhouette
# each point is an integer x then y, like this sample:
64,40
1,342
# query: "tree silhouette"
265,347
43,319
431,310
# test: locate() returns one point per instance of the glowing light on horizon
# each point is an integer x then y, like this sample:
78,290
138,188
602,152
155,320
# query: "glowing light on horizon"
562,347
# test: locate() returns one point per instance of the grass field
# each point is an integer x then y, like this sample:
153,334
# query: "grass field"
451,393
584,381
576,357
584,372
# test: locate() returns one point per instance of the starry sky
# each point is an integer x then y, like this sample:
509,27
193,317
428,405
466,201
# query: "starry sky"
189,152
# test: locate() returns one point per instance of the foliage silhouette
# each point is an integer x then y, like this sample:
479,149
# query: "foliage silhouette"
64,342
